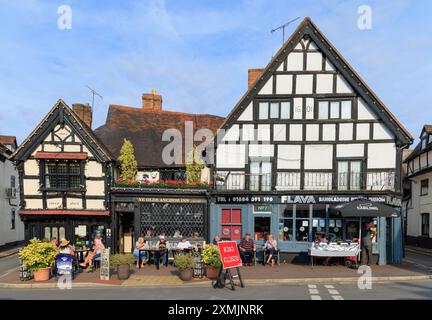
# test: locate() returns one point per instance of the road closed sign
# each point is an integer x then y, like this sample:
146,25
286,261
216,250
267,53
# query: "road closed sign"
230,254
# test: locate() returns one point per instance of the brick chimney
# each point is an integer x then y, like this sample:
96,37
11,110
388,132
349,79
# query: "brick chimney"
152,101
253,75
84,112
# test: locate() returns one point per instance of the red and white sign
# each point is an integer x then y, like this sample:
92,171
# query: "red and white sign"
230,254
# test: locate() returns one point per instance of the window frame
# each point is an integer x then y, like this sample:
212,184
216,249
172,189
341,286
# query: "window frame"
69,174
422,193
269,103
424,227
349,161
230,224
329,103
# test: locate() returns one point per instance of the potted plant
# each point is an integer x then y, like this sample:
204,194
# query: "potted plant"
122,263
185,263
39,257
212,260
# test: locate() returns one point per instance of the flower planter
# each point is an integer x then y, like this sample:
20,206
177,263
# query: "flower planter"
123,272
186,275
212,273
42,274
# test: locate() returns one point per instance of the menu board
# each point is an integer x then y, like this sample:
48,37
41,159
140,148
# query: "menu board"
105,264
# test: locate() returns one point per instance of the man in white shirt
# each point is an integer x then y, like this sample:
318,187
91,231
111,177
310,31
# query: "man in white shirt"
184,244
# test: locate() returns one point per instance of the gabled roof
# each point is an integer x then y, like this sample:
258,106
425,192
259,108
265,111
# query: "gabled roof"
9,141
307,27
144,128
418,149
62,113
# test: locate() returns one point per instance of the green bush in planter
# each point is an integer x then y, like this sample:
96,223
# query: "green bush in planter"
38,255
211,256
121,259
184,261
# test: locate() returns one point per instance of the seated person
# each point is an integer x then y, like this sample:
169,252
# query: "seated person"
93,254
54,242
216,239
247,248
271,249
184,245
139,245
162,245
177,234
66,248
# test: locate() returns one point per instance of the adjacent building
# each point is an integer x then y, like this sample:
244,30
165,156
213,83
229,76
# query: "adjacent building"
308,134
11,227
418,204
69,185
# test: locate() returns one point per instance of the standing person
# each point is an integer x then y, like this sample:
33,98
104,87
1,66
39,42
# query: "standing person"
270,248
247,249
139,245
366,245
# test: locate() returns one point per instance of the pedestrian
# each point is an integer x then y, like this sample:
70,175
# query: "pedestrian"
366,245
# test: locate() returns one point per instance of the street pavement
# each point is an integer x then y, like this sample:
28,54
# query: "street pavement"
380,291
417,289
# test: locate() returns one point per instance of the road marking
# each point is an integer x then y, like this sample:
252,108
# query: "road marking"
329,286
316,297
313,291
333,292
337,298
312,286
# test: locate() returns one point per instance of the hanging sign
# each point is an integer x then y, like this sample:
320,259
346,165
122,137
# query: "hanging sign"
230,254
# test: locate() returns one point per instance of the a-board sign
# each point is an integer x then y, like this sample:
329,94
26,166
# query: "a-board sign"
230,254
105,264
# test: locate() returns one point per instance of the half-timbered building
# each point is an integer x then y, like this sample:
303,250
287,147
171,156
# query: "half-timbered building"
65,177
418,204
308,134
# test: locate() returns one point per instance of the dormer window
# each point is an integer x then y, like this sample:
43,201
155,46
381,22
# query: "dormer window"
424,143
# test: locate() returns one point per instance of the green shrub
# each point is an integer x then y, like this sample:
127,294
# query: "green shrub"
38,255
211,256
121,259
184,261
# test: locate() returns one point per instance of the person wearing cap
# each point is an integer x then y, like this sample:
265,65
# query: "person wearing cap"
162,245
66,248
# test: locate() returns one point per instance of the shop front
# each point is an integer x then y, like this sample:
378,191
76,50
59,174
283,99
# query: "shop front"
77,227
152,213
295,221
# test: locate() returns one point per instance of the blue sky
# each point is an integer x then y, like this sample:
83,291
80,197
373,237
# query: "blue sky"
196,53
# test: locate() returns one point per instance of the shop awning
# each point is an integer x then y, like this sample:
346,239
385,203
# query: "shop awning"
366,208
64,212
62,155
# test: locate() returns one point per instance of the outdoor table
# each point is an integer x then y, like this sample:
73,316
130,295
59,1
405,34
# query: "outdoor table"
156,255
352,251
